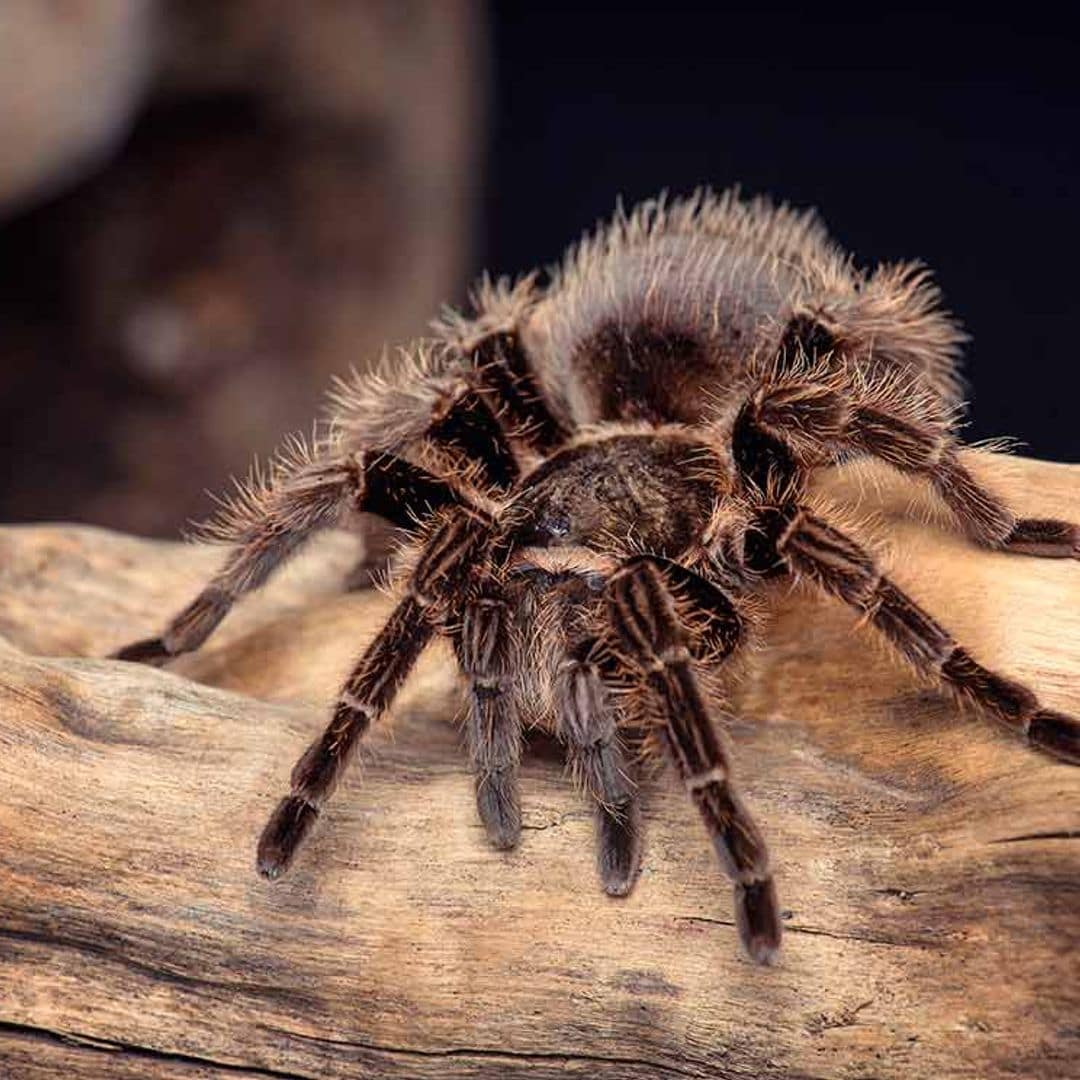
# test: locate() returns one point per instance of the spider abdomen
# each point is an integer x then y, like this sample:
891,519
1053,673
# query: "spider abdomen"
647,372
648,324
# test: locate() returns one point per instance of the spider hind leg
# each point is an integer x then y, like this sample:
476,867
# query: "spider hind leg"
798,418
815,550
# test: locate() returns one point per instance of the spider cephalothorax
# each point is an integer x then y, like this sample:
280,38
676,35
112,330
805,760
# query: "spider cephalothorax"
598,477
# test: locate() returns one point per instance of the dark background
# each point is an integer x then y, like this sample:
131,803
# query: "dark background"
916,135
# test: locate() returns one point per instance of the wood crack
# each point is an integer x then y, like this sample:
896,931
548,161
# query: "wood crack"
159,974
790,928
96,1045
486,1053
1060,834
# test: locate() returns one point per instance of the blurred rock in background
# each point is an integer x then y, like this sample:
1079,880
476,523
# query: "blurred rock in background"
208,208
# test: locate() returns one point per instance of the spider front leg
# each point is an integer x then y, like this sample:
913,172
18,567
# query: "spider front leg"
369,690
808,547
586,717
651,636
484,646
797,419
272,518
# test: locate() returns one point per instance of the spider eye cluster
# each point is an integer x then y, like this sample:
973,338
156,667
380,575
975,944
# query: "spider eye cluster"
554,525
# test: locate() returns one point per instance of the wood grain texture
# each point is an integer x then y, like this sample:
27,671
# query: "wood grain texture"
928,864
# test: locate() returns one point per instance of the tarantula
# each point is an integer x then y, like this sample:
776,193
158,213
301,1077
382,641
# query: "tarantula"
597,475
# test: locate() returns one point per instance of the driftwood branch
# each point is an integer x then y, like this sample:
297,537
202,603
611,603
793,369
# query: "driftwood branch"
929,865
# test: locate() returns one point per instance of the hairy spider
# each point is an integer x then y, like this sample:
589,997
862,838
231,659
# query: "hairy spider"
598,475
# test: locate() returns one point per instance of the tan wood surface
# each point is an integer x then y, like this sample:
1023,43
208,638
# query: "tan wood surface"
929,864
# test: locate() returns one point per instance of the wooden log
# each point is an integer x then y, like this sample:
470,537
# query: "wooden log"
928,863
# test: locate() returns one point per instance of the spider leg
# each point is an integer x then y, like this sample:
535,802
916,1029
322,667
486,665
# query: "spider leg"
274,518
650,634
493,341
810,548
796,420
586,719
506,376
371,686
475,402
892,321
428,393
368,691
485,651
473,396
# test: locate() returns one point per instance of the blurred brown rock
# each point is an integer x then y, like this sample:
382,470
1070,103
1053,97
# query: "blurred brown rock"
295,191
71,75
